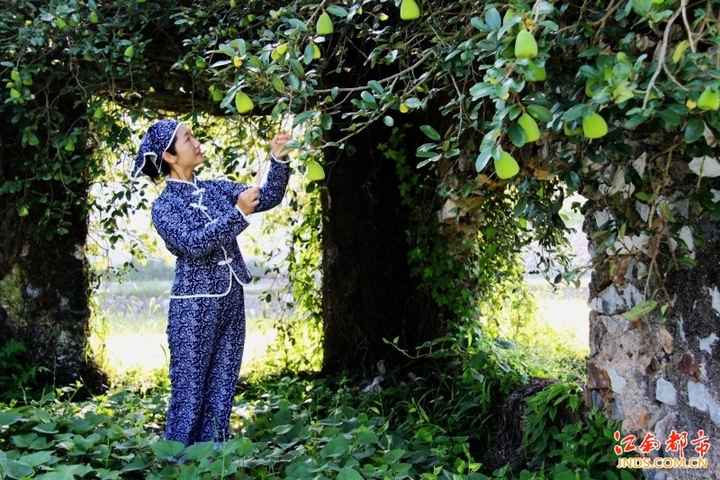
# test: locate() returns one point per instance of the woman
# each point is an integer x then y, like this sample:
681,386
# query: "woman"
199,220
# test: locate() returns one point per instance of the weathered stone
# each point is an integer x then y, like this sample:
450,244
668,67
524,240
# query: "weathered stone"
697,396
707,343
705,166
643,210
715,295
617,382
665,392
615,300
688,365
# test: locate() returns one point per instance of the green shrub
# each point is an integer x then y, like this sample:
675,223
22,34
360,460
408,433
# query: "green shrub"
18,378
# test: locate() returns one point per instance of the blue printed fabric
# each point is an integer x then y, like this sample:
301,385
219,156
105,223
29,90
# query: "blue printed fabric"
206,337
199,223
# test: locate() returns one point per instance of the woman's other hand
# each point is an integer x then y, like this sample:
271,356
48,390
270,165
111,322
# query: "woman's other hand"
278,145
248,200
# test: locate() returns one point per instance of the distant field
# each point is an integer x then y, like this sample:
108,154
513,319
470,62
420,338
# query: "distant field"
136,318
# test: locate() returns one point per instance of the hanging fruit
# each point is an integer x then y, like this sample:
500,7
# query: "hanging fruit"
525,45
324,25
709,100
506,166
314,171
243,103
409,10
530,127
594,126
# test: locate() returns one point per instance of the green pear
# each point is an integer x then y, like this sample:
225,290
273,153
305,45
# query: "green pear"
129,52
324,25
709,100
530,127
94,17
594,126
409,10
243,103
525,45
315,171
506,166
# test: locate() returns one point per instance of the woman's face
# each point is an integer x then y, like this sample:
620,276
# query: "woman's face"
188,154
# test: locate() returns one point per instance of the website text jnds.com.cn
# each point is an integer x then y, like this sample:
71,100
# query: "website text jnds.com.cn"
676,442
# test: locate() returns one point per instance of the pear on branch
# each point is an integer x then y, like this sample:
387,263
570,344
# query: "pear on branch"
243,103
525,45
709,100
314,171
530,127
324,25
594,126
409,10
506,166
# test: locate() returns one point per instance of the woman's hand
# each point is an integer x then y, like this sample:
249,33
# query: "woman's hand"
248,200
278,145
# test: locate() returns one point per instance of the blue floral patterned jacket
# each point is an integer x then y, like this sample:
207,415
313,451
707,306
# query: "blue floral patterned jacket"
199,222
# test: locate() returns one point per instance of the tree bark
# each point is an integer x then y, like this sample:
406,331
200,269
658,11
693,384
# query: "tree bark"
370,297
44,276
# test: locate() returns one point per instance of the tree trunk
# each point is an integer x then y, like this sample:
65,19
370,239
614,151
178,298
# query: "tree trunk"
369,295
44,282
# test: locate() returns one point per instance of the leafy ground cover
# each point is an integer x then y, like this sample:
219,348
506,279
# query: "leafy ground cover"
441,425
491,409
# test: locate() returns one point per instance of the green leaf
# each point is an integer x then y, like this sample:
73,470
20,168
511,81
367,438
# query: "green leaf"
516,134
308,54
368,97
337,447
575,112
376,87
278,84
641,7
482,159
694,130
8,418
38,458
666,212
480,90
298,24
347,473
430,132
16,469
337,10
541,113
493,19
303,117
642,308
165,449
413,102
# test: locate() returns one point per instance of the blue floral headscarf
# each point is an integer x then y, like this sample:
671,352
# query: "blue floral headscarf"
156,141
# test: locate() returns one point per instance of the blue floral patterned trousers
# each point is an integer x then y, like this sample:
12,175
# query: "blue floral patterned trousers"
206,337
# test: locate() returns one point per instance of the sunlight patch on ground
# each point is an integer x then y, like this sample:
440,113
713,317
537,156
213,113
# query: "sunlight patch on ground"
567,317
